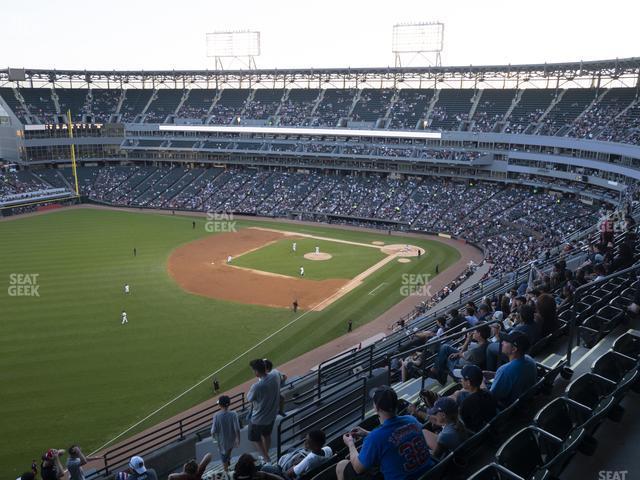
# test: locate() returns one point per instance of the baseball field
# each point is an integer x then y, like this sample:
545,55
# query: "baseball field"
72,373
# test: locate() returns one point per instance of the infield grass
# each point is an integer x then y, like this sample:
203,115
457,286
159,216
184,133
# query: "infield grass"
71,373
346,260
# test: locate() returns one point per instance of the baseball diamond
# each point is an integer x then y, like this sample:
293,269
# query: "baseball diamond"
327,243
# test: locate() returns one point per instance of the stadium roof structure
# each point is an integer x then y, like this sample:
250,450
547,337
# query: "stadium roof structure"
622,72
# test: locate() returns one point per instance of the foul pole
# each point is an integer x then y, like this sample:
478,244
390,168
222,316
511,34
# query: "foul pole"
73,152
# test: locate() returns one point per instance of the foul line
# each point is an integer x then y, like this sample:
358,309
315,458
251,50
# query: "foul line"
382,284
231,362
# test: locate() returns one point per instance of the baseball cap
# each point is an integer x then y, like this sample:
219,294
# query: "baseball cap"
473,374
446,405
518,340
498,315
224,401
385,398
50,454
137,464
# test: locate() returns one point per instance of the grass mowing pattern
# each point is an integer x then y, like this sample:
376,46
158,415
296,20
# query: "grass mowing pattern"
347,260
72,374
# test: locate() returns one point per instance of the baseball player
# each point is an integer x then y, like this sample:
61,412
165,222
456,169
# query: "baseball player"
294,247
126,289
302,271
317,250
124,317
229,258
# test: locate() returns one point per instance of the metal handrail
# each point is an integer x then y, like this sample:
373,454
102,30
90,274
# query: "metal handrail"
161,436
324,402
576,296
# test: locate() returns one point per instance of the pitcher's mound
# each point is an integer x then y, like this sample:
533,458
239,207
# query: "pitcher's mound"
317,256
402,250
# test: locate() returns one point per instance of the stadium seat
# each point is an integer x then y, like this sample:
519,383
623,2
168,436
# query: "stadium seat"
562,417
439,471
493,471
470,446
618,368
544,451
628,344
594,392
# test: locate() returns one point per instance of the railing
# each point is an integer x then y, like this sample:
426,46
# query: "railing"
573,327
337,408
162,436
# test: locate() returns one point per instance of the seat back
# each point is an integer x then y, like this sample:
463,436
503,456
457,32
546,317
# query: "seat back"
556,418
521,454
628,344
493,471
613,365
589,389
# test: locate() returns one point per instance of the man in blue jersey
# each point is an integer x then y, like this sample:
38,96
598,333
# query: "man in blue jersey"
518,375
397,447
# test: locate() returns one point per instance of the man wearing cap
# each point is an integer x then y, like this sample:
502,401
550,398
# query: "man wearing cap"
225,429
51,467
137,470
477,405
444,413
397,447
513,378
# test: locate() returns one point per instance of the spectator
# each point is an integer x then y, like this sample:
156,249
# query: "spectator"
137,470
515,377
477,405
225,429
301,461
444,414
525,323
76,461
193,470
282,378
397,446
264,396
51,466
450,358
246,470
547,314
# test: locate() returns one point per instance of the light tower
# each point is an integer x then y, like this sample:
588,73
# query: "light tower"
233,48
418,41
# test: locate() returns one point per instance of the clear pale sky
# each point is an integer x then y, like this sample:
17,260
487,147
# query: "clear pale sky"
160,34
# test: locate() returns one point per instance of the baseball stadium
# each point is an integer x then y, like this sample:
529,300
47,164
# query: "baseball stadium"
279,273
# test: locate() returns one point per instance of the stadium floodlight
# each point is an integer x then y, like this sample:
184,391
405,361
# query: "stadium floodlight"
419,40
234,46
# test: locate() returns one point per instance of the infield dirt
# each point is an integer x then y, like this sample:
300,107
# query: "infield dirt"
200,267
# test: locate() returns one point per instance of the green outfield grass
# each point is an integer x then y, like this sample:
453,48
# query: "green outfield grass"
347,260
70,373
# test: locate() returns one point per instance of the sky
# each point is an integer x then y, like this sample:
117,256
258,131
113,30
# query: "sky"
161,34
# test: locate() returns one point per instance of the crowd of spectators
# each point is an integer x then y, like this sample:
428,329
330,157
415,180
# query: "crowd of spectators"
510,223
607,120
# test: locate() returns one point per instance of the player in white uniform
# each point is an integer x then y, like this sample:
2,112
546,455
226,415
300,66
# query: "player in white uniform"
302,271
317,250
229,258
124,317
126,289
294,247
